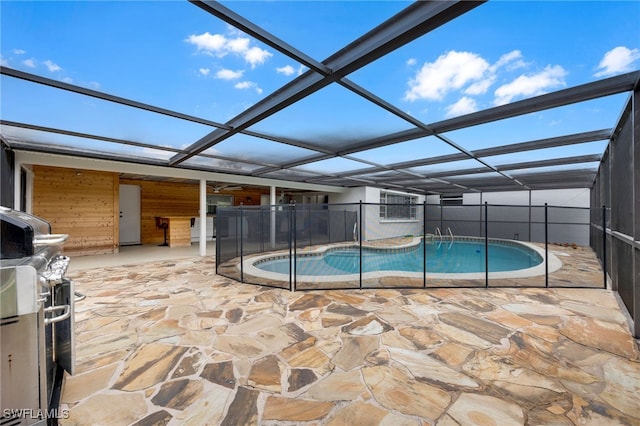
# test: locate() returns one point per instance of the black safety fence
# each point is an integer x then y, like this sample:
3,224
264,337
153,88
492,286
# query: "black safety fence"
615,212
371,245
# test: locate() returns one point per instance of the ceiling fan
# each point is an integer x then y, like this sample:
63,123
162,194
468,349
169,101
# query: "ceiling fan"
226,187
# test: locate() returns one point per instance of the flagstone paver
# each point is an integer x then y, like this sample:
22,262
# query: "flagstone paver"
171,343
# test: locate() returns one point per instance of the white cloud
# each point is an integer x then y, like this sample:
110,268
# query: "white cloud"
256,56
465,105
450,71
211,43
480,87
4,62
239,44
286,70
68,80
512,60
412,61
302,69
19,52
466,71
29,63
531,85
618,60
52,66
243,85
235,43
204,71
225,74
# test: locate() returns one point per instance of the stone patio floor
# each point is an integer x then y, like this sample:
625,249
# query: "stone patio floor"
172,343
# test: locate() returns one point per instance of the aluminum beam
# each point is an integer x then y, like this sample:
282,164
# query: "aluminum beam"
585,92
573,139
597,89
139,105
104,96
232,18
411,23
506,167
26,143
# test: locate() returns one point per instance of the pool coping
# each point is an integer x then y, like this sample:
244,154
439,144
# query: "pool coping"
248,265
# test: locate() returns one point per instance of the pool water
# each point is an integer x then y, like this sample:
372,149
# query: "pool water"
459,257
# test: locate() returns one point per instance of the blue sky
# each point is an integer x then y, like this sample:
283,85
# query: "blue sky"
174,55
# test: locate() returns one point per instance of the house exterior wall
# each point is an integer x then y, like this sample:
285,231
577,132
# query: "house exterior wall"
375,228
80,203
466,220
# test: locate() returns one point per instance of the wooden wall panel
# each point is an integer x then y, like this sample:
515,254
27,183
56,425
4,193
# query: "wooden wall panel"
84,204
80,203
163,199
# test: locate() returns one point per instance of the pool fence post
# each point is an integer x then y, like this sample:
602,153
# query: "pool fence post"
290,254
604,246
344,213
309,224
241,248
216,225
329,222
295,245
529,216
424,243
486,244
360,242
546,245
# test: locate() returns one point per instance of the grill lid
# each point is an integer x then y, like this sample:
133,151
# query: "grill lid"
22,233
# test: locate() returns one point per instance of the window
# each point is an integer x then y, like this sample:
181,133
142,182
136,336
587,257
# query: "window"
213,201
397,206
451,200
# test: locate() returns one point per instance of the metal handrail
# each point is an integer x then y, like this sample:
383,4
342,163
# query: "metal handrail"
439,235
451,235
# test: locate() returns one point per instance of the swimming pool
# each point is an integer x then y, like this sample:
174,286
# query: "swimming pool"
463,258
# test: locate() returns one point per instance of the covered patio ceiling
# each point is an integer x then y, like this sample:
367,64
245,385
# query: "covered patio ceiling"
497,148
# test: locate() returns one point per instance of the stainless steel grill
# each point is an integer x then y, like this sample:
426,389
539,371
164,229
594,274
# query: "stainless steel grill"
36,319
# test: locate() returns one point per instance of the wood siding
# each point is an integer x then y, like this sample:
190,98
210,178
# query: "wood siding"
81,203
85,205
163,199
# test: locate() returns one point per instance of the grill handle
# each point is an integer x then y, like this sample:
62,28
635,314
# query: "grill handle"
50,240
63,316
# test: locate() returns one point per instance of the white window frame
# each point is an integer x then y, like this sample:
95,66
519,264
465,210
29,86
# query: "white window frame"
394,212
451,200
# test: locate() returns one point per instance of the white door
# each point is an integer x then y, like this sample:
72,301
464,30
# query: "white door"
129,215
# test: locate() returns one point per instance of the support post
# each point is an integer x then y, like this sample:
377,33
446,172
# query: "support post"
486,244
604,246
546,245
241,248
216,224
203,218
424,244
273,201
529,216
289,236
295,245
360,241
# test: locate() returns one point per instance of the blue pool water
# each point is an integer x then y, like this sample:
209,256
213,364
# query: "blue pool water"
459,257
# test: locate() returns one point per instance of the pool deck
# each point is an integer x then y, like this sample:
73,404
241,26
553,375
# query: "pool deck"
170,342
